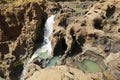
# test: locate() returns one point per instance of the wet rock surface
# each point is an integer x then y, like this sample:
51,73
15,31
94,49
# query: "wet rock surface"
87,30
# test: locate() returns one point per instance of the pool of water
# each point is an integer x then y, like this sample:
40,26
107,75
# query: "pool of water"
85,65
53,61
80,65
88,65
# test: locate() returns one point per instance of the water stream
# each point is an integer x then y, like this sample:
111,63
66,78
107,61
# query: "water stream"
44,51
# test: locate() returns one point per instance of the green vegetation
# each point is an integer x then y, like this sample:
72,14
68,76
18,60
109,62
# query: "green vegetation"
75,7
17,63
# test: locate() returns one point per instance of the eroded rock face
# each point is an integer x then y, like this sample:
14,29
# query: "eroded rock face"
91,35
18,27
82,30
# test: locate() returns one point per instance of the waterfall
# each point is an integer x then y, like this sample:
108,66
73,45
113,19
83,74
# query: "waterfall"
45,50
48,27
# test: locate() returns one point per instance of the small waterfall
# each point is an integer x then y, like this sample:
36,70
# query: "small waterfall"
48,29
45,50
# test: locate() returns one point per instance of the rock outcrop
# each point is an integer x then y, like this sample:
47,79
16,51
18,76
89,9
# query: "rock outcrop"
60,73
19,26
82,30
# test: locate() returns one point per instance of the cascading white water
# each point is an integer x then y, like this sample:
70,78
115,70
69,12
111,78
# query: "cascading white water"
48,29
45,50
